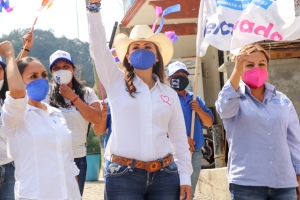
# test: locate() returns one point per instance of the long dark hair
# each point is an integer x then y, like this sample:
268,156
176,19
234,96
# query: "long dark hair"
56,100
158,69
4,88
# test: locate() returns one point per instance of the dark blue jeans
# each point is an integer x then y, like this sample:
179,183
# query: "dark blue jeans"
240,192
126,183
7,182
82,166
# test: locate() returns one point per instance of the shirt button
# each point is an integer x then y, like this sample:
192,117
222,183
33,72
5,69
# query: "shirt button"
269,133
270,147
268,119
263,109
271,162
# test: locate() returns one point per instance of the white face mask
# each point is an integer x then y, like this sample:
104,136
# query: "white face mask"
62,76
1,84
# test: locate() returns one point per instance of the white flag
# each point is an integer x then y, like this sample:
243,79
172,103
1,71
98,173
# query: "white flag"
216,21
231,24
261,21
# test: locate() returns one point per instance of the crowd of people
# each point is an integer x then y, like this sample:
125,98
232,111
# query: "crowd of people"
149,151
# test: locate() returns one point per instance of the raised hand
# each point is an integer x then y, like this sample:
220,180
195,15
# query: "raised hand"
28,40
241,61
6,49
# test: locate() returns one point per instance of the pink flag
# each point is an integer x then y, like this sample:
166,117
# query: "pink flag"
158,12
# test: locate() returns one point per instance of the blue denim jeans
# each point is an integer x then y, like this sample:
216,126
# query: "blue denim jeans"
240,192
128,183
196,162
105,169
7,182
82,166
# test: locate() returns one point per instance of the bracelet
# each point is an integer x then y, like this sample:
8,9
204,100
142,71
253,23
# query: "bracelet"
74,100
94,7
25,49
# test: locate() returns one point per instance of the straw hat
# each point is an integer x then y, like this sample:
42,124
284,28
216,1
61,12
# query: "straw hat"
144,33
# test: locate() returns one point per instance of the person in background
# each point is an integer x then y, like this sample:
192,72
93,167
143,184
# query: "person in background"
78,103
177,77
104,129
7,168
262,130
144,110
37,136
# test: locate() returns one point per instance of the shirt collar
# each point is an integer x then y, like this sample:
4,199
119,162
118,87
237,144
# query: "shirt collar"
137,81
50,109
270,89
185,94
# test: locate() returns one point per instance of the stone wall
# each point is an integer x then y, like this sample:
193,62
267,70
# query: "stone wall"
285,75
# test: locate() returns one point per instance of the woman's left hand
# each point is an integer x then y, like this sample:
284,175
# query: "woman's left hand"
185,192
67,92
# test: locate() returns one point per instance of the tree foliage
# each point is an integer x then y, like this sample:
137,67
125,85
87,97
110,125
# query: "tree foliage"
45,43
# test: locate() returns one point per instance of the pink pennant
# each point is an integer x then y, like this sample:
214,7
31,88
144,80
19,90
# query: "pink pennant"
158,10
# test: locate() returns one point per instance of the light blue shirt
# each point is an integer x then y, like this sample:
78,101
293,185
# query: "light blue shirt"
263,138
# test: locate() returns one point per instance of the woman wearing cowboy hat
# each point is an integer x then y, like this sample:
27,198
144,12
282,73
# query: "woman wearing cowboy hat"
144,110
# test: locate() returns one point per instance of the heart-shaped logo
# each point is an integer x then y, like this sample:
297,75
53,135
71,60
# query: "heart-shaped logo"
165,99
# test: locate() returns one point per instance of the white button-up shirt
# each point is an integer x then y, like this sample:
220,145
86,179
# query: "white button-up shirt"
41,146
3,149
141,125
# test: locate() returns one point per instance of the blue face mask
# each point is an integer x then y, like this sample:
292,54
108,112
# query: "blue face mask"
38,89
142,59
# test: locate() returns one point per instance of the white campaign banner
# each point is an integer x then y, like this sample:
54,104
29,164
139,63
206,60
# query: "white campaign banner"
231,24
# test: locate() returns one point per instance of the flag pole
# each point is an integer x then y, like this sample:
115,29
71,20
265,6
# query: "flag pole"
197,66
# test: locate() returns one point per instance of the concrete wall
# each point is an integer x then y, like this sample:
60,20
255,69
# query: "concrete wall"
214,183
285,75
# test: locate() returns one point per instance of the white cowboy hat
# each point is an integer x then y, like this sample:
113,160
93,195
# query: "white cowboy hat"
144,33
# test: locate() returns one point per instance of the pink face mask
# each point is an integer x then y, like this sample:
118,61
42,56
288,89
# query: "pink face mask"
255,77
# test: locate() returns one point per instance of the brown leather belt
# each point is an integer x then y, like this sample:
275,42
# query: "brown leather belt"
151,166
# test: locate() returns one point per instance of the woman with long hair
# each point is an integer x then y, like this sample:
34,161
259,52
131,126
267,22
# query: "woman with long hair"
78,103
147,152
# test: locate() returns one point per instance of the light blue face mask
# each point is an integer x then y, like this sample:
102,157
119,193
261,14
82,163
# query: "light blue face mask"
142,59
38,89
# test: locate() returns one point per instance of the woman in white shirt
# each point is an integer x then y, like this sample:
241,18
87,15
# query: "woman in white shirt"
37,136
7,169
144,110
79,105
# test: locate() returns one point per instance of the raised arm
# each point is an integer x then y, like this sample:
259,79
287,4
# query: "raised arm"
28,41
14,79
228,103
240,63
107,69
15,102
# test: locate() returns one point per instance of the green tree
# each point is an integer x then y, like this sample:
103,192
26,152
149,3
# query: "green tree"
45,43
